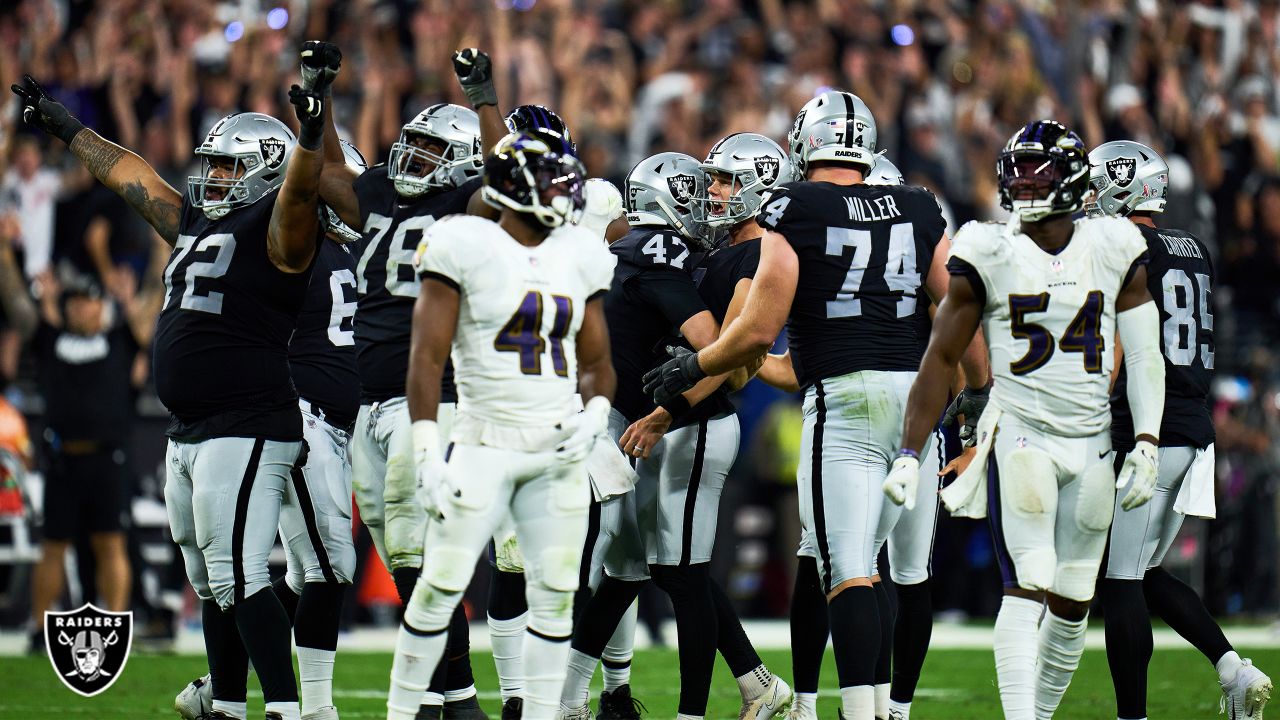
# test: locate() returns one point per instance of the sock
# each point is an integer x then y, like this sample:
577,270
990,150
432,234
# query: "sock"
453,696
315,671
882,700
1179,606
418,652
912,630
683,716
884,667
755,683
855,636
808,628
604,611
1227,666
1015,650
315,633
458,674
1128,631
405,578
581,668
547,657
264,630
899,710
1061,645
858,701
287,597
731,640
689,587
807,703
228,661
286,711
615,661
507,637
235,709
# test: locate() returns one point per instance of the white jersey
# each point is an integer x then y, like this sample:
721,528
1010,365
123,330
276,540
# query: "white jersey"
1050,320
514,350
604,205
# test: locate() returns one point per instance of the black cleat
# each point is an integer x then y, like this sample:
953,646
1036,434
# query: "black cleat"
619,705
513,709
428,712
468,709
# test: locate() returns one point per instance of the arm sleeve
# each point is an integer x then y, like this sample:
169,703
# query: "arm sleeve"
671,293
1139,330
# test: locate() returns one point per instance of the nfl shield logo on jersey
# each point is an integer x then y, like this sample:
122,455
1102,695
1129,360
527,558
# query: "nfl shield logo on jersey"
88,647
767,169
1120,170
681,187
272,152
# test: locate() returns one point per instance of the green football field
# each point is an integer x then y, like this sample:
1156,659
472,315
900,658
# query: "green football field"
956,684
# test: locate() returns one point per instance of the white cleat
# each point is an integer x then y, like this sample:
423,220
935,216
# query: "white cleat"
776,701
798,713
328,712
195,700
578,713
1247,694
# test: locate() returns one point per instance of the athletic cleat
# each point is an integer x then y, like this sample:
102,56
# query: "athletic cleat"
219,715
328,712
619,705
774,702
427,712
195,702
1247,694
513,709
798,713
578,713
468,709
274,716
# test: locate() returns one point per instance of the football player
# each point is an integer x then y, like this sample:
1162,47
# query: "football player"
1129,180
1048,292
432,171
245,240
845,261
520,301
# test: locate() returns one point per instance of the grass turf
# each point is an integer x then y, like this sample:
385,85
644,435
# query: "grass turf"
956,684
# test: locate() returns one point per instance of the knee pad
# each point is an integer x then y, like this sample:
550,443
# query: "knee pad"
402,480
1096,501
506,553
571,494
431,608
1030,480
559,568
448,568
1036,568
550,611
1076,580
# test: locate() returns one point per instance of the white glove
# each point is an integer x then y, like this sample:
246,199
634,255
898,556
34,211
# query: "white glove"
428,462
1140,471
582,429
904,477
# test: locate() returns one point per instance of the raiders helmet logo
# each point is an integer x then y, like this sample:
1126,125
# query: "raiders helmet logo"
272,152
88,647
767,169
1121,170
681,187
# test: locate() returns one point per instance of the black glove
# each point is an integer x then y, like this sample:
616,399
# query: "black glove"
320,63
46,113
475,74
309,107
970,403
674,376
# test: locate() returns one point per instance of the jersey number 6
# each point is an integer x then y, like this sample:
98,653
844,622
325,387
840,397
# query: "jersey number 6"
523,334
1083,333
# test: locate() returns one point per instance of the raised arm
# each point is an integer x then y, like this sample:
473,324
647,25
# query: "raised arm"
321,62
475,75
295,221
123,172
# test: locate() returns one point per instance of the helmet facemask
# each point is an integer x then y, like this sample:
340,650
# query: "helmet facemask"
416,169
727,212
217,196
1036,184
525,175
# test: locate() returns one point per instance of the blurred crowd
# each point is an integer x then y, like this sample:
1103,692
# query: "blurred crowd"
947,80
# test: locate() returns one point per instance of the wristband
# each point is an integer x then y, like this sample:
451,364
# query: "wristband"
310,137
677,406
426,438
69,129
908,452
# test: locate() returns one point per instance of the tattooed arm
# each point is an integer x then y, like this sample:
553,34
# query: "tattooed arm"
133,179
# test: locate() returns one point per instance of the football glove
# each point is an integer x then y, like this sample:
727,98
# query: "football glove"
475,74
674,376
1140,471
970,403
582,430
44,112
320,63
429,465
308,105
904,477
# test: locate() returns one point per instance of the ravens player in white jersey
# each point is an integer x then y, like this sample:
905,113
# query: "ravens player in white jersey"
520,303
245,240
1129,180
841,265
1048,292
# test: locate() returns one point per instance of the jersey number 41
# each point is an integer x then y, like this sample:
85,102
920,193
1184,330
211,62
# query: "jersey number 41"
523,334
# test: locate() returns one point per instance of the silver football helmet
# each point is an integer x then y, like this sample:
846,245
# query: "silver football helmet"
257,146
754,165
884,172
1127,177
833,127
415,170
342,231
662,190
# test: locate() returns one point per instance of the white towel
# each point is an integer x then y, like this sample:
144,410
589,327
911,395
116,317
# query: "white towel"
1195,497
611,473
967,496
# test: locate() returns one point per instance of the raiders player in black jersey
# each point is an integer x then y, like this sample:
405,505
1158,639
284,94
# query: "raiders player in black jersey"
861,252
244,243
1129,180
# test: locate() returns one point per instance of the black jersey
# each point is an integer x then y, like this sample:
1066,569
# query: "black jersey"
651,297
323,351
85,382
864,251
1180,278
387,285
221,348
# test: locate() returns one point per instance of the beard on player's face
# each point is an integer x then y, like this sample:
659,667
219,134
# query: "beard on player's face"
221,168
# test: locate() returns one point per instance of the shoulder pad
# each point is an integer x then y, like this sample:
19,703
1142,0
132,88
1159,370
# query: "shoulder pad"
980,241
647,248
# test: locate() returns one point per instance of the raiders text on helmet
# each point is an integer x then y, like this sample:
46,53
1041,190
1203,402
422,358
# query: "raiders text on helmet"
257,146
535,172
415,170
662,190
753,165
1042,171
1127,177
833,127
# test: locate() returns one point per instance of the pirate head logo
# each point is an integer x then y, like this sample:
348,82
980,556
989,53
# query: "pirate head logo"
272,152
767,169
1121,170
681,187
88,647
